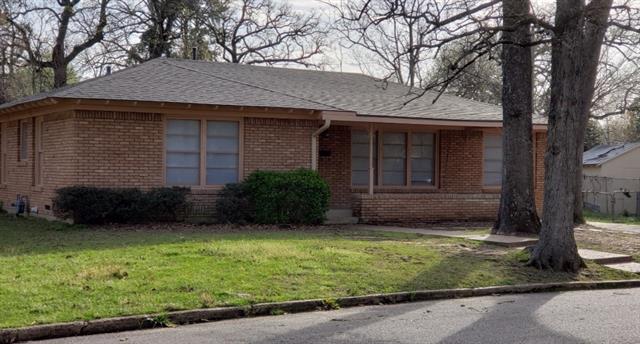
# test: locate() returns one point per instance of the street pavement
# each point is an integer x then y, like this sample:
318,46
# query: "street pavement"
602,316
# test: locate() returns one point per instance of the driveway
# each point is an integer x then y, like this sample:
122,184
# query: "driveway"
603,316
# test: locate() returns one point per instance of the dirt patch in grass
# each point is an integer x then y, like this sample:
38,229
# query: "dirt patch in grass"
610,241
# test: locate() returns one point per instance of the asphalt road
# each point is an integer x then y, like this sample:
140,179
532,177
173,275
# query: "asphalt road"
604,316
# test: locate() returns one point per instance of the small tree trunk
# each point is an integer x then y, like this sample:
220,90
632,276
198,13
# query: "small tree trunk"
517,212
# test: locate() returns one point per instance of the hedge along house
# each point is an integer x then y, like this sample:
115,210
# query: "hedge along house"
387,154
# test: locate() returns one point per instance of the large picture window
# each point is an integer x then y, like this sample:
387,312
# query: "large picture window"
202,152
406,158
492,161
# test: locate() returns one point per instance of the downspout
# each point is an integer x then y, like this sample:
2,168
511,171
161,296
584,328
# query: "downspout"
314,143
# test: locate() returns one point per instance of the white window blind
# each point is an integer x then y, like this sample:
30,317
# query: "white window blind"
222,152
422,159
394,154
492,164
183,152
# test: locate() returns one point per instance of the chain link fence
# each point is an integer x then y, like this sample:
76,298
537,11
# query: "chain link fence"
617,196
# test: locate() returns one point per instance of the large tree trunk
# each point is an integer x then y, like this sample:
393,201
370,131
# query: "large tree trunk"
573,74
595,28
517,212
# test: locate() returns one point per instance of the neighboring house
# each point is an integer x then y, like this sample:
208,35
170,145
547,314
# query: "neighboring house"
387,154
607,170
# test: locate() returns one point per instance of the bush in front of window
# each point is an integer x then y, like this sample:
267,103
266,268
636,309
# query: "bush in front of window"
233,205
267,197
91,205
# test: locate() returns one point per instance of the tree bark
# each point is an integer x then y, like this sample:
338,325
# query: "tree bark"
578,37
596,17
517,212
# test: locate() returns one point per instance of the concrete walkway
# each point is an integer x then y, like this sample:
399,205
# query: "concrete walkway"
500,240
612,260
619,227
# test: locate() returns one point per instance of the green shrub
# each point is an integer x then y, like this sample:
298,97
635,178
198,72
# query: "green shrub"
292,197
233,205
91,205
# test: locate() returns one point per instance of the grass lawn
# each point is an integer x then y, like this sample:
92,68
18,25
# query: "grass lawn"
598,217
52,272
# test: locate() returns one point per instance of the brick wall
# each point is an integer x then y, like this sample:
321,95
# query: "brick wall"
120,149
416,207
336,167
277,144
460,195
460,161
58,161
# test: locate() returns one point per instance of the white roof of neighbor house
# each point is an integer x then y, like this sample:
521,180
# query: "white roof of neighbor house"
601,154
212,83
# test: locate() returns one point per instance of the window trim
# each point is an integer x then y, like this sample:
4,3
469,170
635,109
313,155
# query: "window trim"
203,148
486,187
380,130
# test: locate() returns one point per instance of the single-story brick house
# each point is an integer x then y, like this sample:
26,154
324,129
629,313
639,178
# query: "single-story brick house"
387,155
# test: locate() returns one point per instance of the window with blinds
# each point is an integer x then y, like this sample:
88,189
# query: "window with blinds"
492,161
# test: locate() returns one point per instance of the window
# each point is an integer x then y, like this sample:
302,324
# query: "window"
23,134
394,155
360,157
183,152
422,159
492,164
201,152
406,158
222,152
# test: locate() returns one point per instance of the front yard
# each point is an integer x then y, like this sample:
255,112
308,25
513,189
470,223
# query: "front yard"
52,272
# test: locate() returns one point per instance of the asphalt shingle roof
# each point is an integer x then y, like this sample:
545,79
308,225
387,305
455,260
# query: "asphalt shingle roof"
200,82
600,154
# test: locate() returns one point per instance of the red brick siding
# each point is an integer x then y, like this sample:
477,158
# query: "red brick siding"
460,195
460,161
120,149
336,168
116,149
426,207
59,161
277,144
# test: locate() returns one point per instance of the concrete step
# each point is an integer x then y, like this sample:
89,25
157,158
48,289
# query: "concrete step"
629,267
503,240
604,257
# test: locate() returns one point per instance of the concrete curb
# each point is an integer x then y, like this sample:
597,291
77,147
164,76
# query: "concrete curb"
139,322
